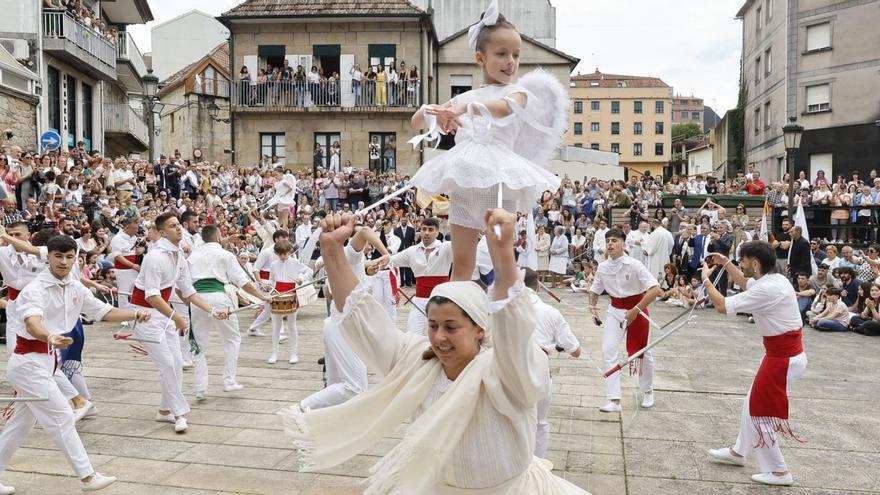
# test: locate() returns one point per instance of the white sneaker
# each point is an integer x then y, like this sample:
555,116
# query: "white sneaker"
293,359
611,407
272,359
187,365
6,490
772,479
80,413
97,482
180,425
724,455
648,400
232,388
282,338
255,333
164,418
200,396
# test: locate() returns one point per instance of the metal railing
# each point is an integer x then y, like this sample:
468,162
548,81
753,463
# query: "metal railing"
124,119
58,24
127,50
216,86
344,94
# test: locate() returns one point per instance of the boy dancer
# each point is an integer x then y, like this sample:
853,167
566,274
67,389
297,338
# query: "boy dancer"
770,298
631,288
123,253
284,275
48,307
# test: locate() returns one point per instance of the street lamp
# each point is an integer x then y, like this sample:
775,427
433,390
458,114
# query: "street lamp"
791,134
214,111
151,88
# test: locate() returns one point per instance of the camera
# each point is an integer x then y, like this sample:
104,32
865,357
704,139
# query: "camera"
9,135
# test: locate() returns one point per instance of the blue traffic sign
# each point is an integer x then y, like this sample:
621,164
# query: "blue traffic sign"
50,141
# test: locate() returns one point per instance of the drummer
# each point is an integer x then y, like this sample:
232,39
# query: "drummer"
284,274
211,268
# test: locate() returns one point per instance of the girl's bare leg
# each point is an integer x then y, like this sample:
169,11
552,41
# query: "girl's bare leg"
464,252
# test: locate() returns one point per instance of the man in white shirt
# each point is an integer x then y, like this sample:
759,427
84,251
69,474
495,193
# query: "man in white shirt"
635,241
386,281
658,248
303,230
123,179
770,298
191,239
285,195
552,333
212,268
430,261
599,241
165,270
124,254
48,307
632,288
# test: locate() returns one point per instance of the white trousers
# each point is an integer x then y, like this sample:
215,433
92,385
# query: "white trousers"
262,318
381,288
31,376
166,357
185,347
417,323
612,336
277,323
346,373
542,433
125,283
769,455
202,325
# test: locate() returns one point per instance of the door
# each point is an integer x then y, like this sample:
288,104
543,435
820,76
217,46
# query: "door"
346,62
326,140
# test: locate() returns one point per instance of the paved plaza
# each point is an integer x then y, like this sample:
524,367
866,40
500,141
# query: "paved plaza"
235,443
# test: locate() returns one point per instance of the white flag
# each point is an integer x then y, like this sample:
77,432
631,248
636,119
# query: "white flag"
801,221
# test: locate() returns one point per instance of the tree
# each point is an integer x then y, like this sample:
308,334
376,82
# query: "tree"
681,132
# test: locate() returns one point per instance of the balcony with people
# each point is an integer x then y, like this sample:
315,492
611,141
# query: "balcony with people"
76,35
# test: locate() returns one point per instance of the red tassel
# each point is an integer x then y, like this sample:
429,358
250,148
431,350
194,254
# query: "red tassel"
10,408
776,425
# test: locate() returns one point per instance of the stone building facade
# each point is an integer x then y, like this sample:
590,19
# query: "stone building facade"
18,112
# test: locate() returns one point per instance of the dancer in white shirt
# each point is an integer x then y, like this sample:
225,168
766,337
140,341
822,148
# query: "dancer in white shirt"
430,261
285,195
386,281
211,268
48,307
551,333
770,298
124,254
631,288
285,274
265,259
189,222
165,270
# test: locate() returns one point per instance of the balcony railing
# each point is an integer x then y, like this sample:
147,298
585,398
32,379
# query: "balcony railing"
59,25
292,95
217,86
127,50
122,119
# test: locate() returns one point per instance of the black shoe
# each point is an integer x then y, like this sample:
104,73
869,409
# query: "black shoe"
321,361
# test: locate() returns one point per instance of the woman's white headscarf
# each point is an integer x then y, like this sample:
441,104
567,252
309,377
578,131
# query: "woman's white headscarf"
469,297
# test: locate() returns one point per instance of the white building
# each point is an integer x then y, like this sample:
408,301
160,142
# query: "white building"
181,41
89,72
700,159
533,18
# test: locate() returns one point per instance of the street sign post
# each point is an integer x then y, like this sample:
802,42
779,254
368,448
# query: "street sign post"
50,141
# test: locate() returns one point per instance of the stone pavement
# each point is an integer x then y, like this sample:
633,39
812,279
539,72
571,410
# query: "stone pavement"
235,443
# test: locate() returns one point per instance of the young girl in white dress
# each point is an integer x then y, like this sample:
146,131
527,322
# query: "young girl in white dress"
504,132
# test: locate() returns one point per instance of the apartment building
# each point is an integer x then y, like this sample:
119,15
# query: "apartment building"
629,115
816,61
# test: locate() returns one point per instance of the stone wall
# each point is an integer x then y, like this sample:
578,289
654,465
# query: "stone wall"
18,112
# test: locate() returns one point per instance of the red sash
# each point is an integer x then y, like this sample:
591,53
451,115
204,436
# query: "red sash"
768,401
118,264
138,297
12,293
637,331
28,346
264,274
392,276
424,285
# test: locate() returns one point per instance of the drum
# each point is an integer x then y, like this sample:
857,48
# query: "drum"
284,305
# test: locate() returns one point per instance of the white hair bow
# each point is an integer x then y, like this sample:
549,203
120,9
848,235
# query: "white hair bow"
490,17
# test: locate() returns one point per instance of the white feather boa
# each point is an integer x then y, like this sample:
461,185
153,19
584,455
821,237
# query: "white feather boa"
551,110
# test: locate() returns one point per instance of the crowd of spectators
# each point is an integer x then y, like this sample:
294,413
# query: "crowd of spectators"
85,16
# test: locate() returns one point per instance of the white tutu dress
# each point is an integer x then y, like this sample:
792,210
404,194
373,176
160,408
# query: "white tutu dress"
489,151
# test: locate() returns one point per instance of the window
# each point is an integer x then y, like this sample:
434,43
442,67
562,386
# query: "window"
768,62
578,128
695,116
758,19
637,107
819,36
757,120
769,9
615,147
71,111
757,70
327,57
615,107
381,54
88,115
594,105
684,115
615,128
459,84
578,145
578,107
658,149
326,140
594,146
54,96
272,144
269,55
637,127
658,128
388,146
658,107
594,127
819,98
637,149
767,117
